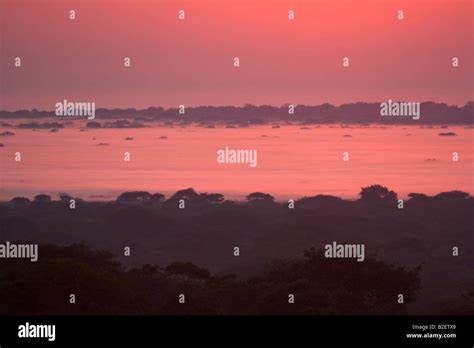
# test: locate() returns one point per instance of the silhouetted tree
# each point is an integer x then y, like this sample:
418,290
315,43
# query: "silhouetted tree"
134,196
259,198
322,202
19,201
188,194
377,194
42,198
64,197
452,195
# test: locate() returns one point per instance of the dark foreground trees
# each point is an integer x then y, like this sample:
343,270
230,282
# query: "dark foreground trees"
103,286
425,231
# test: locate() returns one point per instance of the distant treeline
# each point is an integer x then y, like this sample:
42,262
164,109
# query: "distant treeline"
376,195
354,113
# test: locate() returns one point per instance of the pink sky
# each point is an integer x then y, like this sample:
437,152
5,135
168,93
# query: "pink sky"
191,62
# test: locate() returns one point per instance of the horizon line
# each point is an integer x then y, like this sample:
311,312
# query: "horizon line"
244,105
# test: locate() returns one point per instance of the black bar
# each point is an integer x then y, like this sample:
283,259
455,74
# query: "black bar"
134,330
